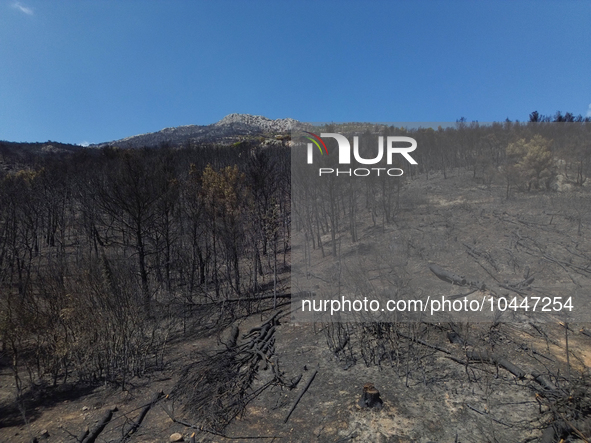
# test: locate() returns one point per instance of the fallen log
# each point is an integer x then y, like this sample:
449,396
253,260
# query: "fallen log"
142,415
454,279
543,381
300,396
485,357
83,435
494,359
93,435
447,276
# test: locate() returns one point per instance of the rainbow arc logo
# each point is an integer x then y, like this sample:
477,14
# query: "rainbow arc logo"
316,142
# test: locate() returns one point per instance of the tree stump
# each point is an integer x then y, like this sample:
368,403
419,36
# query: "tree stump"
370,397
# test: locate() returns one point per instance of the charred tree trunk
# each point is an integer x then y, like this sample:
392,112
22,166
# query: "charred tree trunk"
370,397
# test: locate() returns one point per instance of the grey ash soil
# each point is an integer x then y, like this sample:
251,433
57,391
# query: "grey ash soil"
429,393
432,406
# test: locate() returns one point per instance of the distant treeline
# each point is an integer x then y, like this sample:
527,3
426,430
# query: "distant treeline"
568,117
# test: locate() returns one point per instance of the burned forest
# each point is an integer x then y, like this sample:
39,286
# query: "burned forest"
152,294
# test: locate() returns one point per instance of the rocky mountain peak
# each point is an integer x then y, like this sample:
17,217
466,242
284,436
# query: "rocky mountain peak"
264,123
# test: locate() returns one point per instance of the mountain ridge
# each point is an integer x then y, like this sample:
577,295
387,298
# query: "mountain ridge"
226,131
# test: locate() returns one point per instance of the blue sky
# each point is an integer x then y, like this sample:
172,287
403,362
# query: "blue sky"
93,71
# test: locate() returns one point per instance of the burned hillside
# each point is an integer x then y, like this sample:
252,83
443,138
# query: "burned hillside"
125,272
